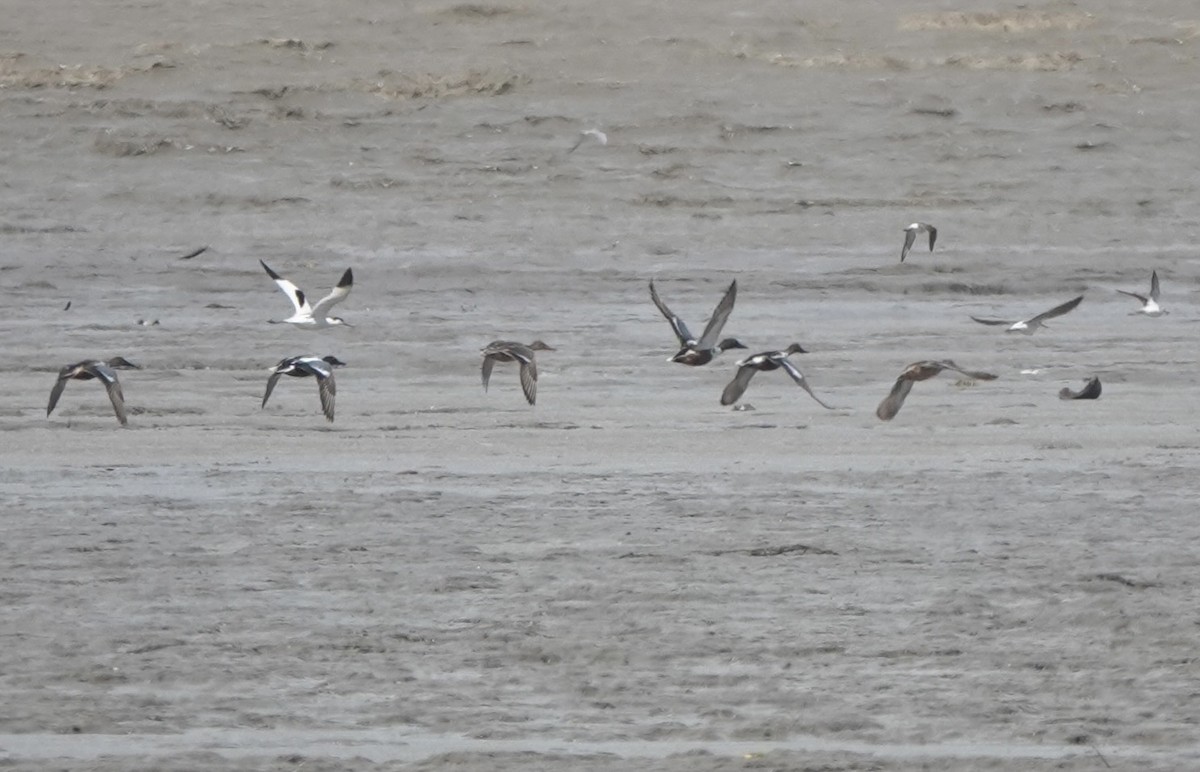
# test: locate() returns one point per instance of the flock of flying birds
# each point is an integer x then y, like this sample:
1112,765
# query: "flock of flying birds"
693,351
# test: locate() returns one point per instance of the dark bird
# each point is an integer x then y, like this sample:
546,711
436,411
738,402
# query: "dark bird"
1090,390
195,252
920,371
88,369
510,351
910,237
700,351
1030,326
1150,306
304,366
766,361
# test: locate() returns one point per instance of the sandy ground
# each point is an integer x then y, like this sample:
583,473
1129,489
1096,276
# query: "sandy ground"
628,575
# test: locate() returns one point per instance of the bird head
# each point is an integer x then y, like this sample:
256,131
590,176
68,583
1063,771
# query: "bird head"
795,348
729,343
538,345
121,363
333,361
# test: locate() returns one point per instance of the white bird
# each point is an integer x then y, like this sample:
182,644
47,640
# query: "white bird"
1150,306
910,236
312,316
304,366
600,137
1030,326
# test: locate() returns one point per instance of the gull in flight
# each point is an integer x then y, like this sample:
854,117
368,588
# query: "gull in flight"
510,351
1150,306
910,236
920,371
767,361
700,351
1030,326
600,137
94,369
312,316
304,366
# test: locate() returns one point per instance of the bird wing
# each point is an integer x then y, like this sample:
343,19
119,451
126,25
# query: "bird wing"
681,331
117,398
994,321
799,378
1154,286
909,237
328,390
891,404
529,379
338,294
712,330
271,386
1134,295
488,364
293,292
932,235
978,375
59,385
1058,310
737,387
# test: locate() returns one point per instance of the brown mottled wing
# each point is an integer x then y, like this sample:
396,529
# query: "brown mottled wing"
529,380
799,378
737,387
892,403
328,390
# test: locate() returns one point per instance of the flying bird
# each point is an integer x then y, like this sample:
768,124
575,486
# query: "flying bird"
910,236
1090,390
1030,326
90,369
1150,306
920,371
510,351
600,137
312,316
700,351
304,366
765,362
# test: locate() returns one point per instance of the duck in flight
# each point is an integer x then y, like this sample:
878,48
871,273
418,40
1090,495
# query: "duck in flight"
510,351
1150,306
1091,390
304,366
700,351
1030,326
305,315
920,371
765,362
910,237
89,369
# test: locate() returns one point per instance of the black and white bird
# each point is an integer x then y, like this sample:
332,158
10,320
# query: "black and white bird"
920,371
104,371
320,368
1030,326
310,316
910,237
511,351
700,351
1150,306
767,361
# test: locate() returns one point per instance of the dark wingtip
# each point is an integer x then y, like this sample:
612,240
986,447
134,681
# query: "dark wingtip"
267,268
347,279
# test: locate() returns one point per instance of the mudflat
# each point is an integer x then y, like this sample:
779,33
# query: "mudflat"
627,575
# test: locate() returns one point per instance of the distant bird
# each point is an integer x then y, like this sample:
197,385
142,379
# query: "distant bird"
88,369
767,361
1090,390
510,351
910,236
312,316
67,307
1030,326
920,371
195,252
600,137
304,366
700,351
1150,306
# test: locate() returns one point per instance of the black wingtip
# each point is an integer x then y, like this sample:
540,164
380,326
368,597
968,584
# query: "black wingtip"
267,268
347,279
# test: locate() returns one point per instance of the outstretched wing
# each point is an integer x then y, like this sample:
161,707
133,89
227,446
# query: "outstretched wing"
909,237
338,294
681,330
271,386
978,375
1134,295
799,378
117,398
293,292
892,403
932,235
1154,286
328,390
529,380
488,364
712,330
1006,322
57,391
737,387
1058,310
